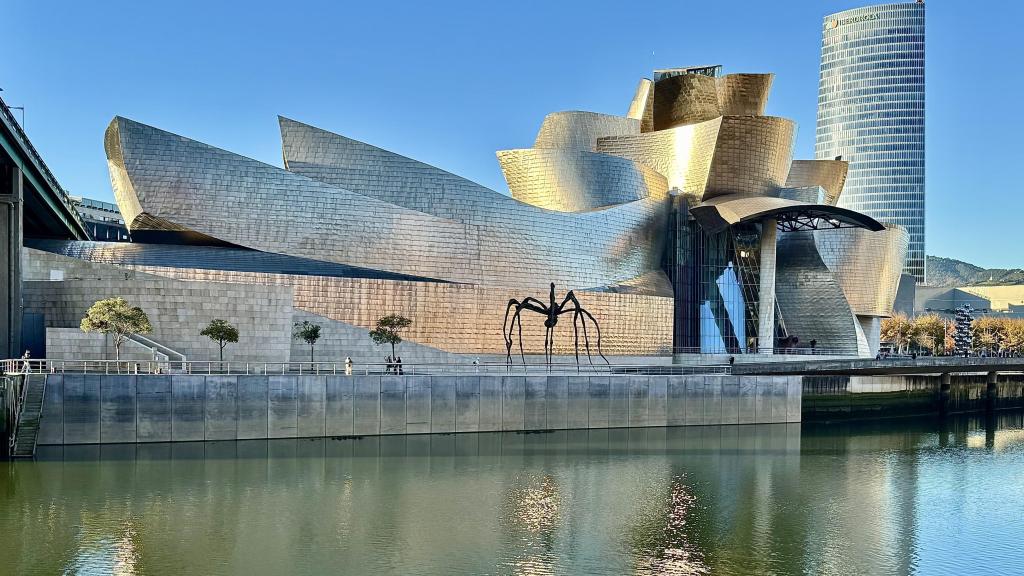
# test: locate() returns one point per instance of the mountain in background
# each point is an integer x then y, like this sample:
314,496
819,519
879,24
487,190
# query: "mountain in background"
950,272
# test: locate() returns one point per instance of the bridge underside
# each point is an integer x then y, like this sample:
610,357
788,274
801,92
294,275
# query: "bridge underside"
32,205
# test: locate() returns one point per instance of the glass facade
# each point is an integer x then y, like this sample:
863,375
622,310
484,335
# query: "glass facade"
871,113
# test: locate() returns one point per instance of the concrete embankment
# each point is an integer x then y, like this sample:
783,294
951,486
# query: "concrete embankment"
93,408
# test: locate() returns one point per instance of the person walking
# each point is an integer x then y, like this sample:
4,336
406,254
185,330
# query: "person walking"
348,365
398,364
387,364
25,365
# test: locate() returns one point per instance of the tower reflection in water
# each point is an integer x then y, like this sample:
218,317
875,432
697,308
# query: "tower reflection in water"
879,498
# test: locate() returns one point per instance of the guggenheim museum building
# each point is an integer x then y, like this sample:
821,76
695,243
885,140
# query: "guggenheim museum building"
684,226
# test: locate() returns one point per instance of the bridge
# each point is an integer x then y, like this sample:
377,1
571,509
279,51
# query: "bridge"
32,205
888,366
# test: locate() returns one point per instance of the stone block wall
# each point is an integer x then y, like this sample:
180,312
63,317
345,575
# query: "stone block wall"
93,408
178,309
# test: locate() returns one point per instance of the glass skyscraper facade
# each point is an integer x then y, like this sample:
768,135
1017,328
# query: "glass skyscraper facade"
871,113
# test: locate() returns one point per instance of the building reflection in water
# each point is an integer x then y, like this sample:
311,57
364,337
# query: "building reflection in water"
698,500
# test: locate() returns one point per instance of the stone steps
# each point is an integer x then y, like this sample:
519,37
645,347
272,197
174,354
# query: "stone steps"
28,424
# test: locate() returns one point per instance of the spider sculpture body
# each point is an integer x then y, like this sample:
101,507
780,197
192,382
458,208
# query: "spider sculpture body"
551,311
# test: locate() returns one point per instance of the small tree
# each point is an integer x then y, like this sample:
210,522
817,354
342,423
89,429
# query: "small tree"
114,316
221,332
308,332
388,330
930,332
899,330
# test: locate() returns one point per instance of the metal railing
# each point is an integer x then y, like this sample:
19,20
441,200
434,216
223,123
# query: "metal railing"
83,366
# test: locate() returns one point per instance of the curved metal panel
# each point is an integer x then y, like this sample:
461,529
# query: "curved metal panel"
580,130
642,106
744,94
682,154
684,99
722,211
810,299
576,180
752,156
829,174
496,240
866,264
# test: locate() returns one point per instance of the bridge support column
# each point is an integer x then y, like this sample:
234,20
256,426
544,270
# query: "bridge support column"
991,391
11,196
766,289
945,384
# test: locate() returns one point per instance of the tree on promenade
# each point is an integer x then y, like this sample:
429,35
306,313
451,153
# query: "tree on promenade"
388,330
899,330
114,316
308,332
221,332
987,334
930,333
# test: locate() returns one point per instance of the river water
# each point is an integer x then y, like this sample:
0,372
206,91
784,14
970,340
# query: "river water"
884,498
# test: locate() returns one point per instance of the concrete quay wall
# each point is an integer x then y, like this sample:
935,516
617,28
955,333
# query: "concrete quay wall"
102,409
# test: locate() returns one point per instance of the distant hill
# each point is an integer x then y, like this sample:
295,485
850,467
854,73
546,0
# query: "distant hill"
950,272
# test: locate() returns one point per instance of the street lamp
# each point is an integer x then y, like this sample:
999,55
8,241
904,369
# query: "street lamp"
22,108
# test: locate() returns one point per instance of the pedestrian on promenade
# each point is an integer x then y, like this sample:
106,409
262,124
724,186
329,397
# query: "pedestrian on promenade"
398,364
25,366
387,364
348,365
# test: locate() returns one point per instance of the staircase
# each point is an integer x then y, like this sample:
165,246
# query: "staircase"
28,418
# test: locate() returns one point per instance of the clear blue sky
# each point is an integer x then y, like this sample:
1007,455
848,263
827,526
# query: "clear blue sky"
449,83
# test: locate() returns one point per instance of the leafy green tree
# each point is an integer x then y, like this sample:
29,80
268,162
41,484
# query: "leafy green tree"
988,333
114,316
221,332
899,330
308,332
388,330
930,332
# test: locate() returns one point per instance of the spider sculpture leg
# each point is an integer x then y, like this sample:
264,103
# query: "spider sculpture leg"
528,303
582,313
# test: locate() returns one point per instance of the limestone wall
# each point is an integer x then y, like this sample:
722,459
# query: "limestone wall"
94,408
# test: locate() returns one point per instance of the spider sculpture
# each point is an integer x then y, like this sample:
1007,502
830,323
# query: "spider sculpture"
551,311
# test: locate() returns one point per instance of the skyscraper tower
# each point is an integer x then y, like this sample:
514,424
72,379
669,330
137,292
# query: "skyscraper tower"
871,113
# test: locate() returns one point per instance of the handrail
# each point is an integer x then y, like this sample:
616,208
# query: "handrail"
90,366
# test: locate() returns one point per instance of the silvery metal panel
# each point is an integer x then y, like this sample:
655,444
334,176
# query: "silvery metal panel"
867,265
578,130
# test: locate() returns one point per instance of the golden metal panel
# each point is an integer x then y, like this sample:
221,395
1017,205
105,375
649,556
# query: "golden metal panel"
684,99
580,130
752,156
743,94
829,174
866,264
682,154
575,180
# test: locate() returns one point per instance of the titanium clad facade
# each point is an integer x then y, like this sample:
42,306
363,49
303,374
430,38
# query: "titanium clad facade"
871,111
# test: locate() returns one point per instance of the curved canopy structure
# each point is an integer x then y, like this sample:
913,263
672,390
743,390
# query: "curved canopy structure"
791,215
